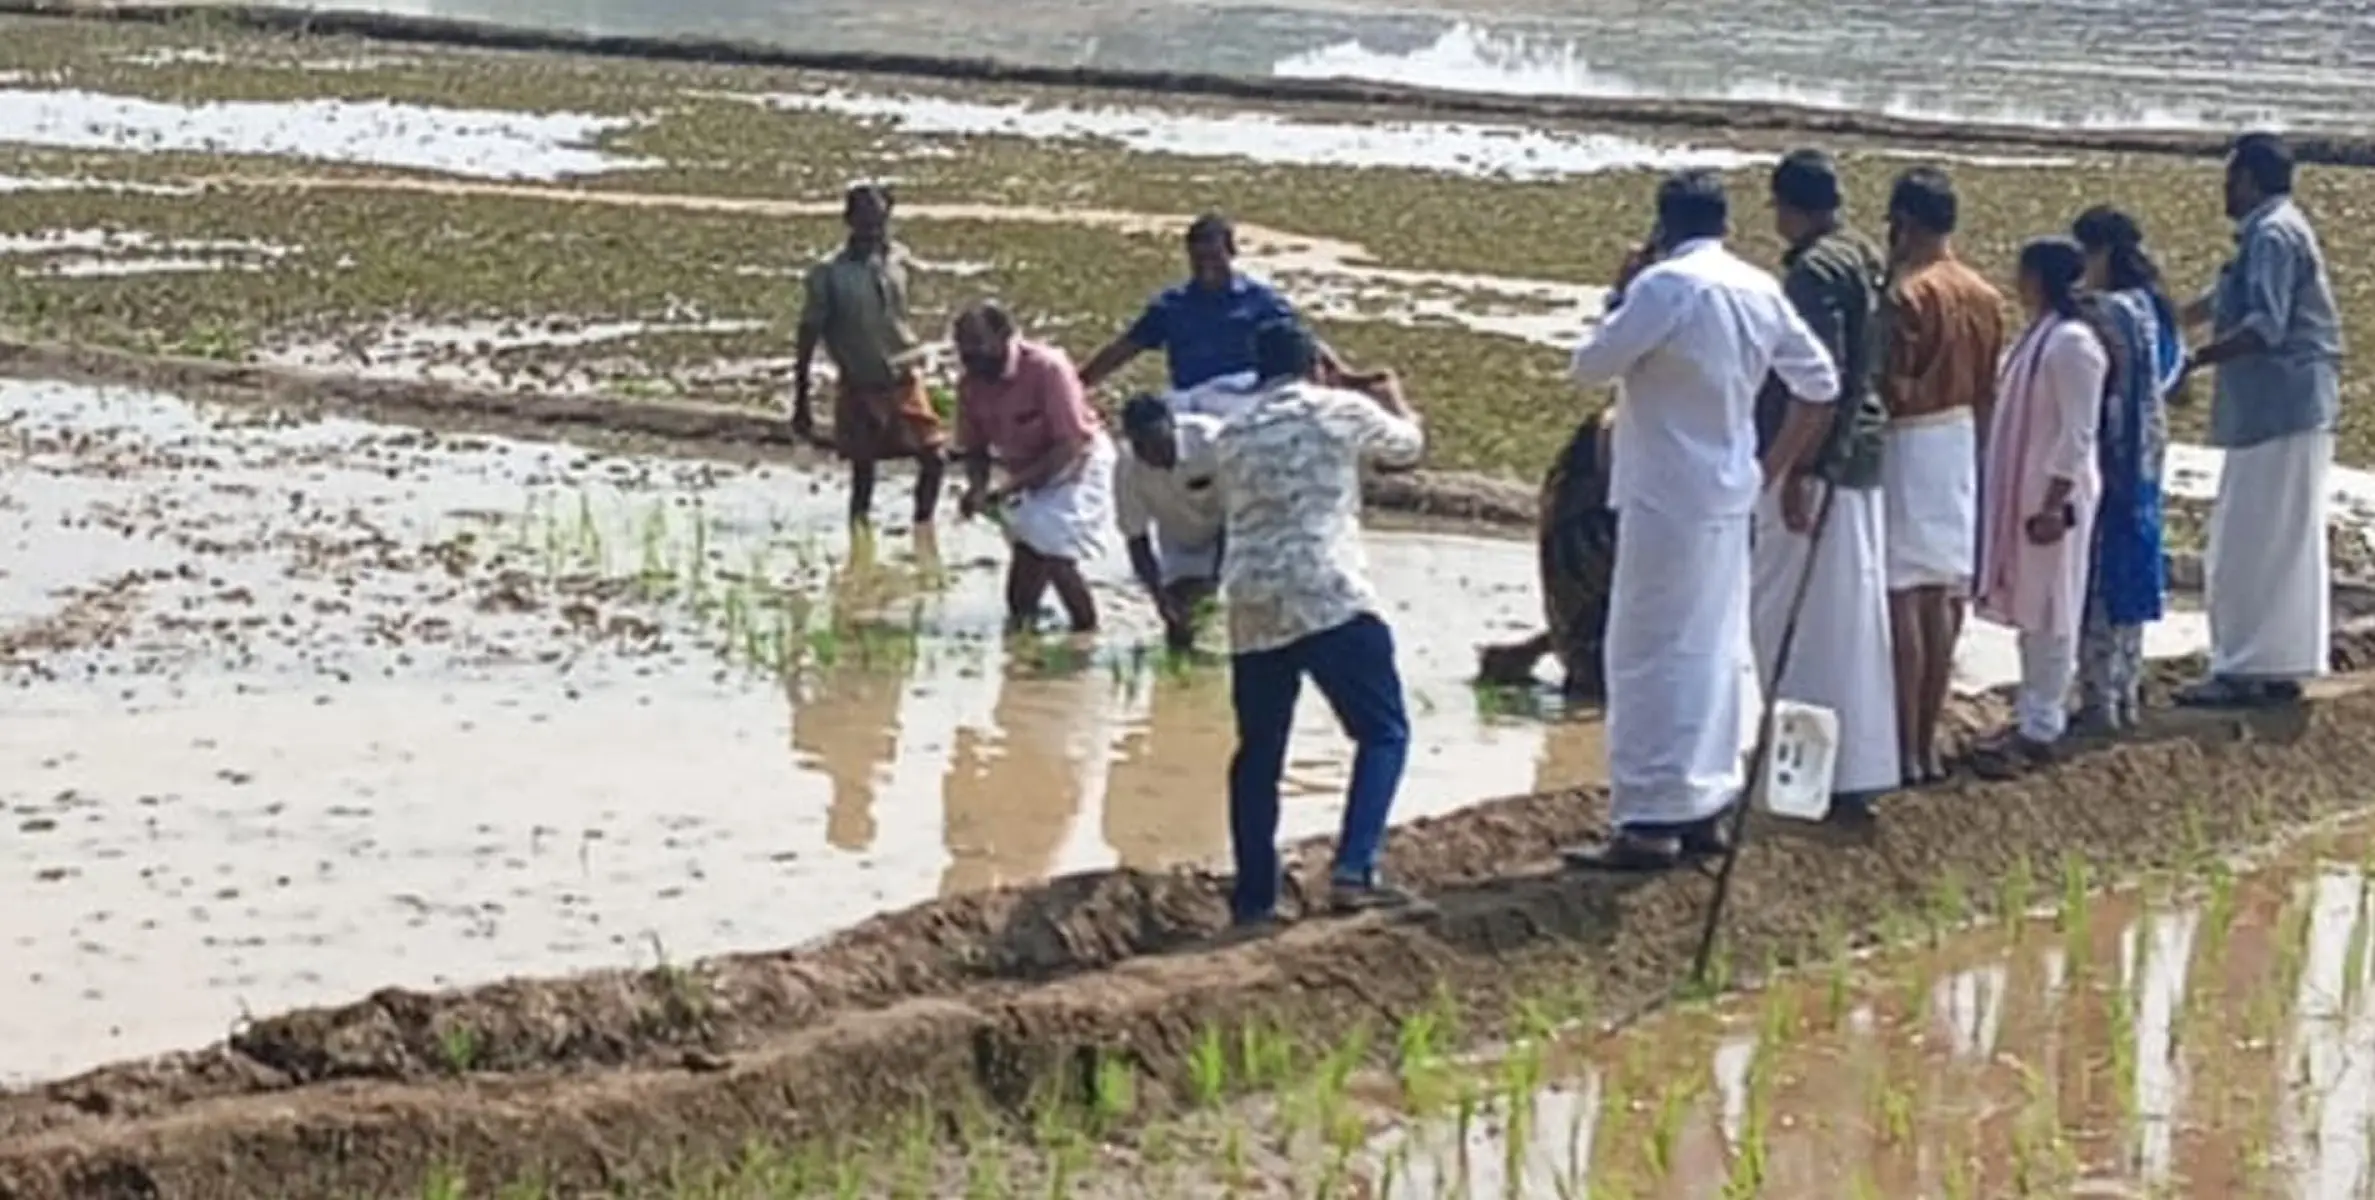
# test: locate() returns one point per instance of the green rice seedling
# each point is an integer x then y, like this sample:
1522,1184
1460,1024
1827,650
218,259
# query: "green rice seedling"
1208,1068
1113,1093
2016,891
1949,904
445,1183
457,1048
1674,1102
2354,951
2076,916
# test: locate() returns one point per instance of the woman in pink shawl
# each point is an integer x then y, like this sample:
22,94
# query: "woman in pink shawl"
2038,494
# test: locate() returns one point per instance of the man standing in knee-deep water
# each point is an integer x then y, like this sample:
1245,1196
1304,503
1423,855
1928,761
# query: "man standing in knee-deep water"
2276,343
1943,332
1840,660
1021,404
1167,498
1693,333
855,304
1299,603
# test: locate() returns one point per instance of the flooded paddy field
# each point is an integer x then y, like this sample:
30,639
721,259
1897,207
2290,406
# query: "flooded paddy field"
431,709
636,228
771,841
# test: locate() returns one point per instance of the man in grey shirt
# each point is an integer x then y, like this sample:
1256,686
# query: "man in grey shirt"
2276,343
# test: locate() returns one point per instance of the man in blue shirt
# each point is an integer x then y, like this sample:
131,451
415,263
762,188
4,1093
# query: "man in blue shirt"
2276,343
1205,326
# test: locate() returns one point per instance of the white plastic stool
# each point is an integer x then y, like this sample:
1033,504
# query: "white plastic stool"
1800,761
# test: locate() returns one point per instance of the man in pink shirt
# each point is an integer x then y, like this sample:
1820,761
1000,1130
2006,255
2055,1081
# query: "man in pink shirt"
1021,404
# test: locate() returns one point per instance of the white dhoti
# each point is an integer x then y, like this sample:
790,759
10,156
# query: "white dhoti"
1840,659
2265,574
1683,701
1068,518
1929,479
1183,560
1223,396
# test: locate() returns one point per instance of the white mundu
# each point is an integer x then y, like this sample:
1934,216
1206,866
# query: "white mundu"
1181,508
1693,340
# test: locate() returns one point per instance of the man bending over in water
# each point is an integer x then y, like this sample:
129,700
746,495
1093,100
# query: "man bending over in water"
1168,498
1021,404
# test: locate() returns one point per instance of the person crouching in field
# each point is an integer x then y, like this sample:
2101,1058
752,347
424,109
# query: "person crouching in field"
1300,604
1167,499
1575,537
1021,404
855,305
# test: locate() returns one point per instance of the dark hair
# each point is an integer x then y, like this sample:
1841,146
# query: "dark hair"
988,316
1807,180
880,193
1212,229
1284,349
2266,160
2059,265
1924,196
1145,412
2116,233
1692,204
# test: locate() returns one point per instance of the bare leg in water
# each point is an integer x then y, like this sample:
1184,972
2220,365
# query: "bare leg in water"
861,491
1072,591
1026,585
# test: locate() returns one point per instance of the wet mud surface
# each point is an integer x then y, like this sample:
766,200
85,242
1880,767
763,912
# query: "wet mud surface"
977,1001
434,708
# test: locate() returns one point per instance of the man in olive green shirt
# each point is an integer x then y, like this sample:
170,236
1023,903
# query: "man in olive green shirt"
855,305
1823,530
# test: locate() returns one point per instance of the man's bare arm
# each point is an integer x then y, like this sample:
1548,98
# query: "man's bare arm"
1116,354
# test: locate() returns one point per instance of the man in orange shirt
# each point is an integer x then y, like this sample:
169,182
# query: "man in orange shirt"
1021,405
1944,331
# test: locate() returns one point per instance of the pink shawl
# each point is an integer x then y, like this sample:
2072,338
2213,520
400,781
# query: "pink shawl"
2048,399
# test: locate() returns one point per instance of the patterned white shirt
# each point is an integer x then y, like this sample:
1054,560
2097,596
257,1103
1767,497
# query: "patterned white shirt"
1290,468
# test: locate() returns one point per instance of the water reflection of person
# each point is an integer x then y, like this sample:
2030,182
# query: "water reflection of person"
1014,789
845,712
1158,807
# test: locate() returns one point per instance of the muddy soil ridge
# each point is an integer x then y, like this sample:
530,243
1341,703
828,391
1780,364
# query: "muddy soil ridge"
1744,116
970,1006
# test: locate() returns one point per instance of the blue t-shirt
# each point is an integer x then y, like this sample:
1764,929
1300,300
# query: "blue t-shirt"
1208,332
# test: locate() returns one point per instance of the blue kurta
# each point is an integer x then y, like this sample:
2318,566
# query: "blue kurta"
2129,572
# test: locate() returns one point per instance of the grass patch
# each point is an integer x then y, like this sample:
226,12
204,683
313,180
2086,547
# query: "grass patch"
1497,404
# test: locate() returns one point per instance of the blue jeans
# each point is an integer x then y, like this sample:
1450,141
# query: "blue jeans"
1353,666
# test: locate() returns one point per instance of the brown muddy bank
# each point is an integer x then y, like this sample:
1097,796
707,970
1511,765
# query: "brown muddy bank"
979,1005
1686,114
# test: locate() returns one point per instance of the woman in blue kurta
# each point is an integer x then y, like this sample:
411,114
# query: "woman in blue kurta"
2129,575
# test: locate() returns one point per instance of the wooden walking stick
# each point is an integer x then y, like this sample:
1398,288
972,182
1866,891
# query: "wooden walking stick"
1764,743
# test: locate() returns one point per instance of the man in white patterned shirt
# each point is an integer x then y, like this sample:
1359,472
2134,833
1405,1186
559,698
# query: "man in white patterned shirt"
1296,587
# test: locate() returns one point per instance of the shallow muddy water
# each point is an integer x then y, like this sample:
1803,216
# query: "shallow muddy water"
298,709
2217,1044
295,712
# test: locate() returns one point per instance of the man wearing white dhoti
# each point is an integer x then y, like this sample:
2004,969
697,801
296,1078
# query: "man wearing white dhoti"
1692,333
1943,334
1841,659
1021,405
2276,343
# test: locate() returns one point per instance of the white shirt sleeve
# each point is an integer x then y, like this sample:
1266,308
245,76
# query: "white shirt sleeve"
1652,308
1383,438
1799,358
